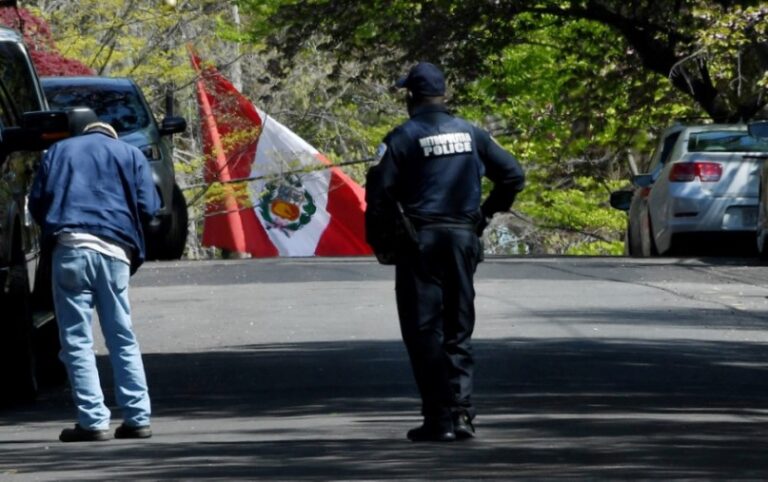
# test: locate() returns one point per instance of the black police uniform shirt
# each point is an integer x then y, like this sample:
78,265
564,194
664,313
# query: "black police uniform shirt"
433,165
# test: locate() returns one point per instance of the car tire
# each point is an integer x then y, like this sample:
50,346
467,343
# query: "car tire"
174,239
634,241
761,237
762,248
648,244
50,370
16,346
640,239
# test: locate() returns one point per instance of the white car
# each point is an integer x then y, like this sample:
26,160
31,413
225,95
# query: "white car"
759,130
703,183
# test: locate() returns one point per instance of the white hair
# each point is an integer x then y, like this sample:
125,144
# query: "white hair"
102,127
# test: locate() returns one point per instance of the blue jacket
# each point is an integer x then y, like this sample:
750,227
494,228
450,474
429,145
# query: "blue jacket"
433,165
97,185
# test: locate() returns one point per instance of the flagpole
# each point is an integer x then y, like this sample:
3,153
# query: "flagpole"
234,222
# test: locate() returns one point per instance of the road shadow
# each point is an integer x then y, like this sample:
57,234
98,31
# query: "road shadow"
549,408
722,244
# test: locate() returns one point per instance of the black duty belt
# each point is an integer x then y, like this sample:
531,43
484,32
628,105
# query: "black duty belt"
465,226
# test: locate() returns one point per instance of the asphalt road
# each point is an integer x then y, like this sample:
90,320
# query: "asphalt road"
588,368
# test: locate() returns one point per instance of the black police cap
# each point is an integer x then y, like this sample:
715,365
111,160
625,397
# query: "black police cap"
424,80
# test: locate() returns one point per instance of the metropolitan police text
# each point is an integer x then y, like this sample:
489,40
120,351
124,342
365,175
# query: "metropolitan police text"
443,144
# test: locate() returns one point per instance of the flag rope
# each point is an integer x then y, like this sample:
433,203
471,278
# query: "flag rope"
318,167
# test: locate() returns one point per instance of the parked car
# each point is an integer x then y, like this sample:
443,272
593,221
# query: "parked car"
120,102
29,342
702,184
759,130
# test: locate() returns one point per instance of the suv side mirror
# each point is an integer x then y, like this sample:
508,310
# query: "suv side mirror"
38,131
47,126
621,200
758,129
172,125
642,180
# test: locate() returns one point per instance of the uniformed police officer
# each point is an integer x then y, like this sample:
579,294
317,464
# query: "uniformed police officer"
427,188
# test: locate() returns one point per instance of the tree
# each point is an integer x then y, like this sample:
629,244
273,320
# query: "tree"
714,51
575,88
574,120
571,87
141,39
42,47
145,40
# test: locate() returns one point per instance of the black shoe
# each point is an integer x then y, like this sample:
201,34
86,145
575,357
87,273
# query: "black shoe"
126,431
79,434
432,432
462,426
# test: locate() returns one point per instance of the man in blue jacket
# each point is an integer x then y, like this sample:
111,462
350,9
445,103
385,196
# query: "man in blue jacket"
427,188
91,196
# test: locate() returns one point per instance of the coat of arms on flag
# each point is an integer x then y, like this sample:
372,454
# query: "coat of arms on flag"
286,205
296,202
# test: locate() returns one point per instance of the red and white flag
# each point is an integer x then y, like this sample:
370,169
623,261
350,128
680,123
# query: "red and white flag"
289,207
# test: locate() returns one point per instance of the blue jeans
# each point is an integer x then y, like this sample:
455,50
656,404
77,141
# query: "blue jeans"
84,279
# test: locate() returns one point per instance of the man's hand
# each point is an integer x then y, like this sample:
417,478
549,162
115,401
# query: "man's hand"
482,224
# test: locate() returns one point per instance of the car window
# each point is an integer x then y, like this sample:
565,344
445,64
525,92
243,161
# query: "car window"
725,141
7,115
659,158
16,74
117,105
669,144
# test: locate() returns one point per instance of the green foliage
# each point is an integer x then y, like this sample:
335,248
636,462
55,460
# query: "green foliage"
660,37
129,38
597,248
573,129
582,207
573,88
736,45
342,116
147,41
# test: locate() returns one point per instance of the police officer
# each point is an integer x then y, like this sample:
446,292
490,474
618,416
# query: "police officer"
427,187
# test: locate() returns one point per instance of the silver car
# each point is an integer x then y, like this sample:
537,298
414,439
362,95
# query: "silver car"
759,129
703,183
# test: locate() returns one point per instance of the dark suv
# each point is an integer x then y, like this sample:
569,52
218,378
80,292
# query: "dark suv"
120,102
28,334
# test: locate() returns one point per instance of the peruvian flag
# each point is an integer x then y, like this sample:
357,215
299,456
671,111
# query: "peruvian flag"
292,201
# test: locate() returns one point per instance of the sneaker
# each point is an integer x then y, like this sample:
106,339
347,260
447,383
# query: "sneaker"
462,426
80,434
126,431
433,431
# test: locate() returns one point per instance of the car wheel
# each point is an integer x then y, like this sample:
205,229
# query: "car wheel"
175,236
50,369
17,355
652,249
633,241
762,236
627,251
762,247
646,245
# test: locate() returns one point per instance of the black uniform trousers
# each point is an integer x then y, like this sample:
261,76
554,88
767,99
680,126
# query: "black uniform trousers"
435,302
